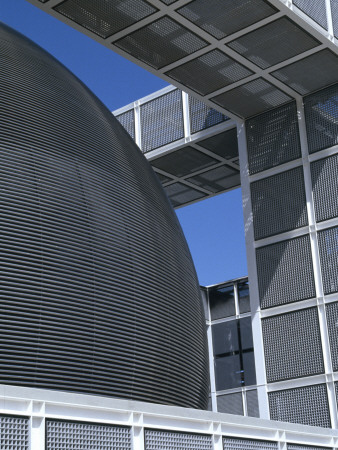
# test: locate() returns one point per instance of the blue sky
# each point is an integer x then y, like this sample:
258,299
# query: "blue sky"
213,228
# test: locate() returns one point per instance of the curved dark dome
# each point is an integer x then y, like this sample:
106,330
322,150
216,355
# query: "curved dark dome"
98,290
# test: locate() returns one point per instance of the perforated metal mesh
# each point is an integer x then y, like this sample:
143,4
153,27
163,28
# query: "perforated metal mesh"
105,18
168,440
223,144
310,74
332,321
252,98
217,180
247,444
179,194
334,12
316,10
225,16
162,120
127,120
14,433
305,405
273,138
305,447
273,43
209,72
161,43
168,2
287,357
279,203
230,403
202,116
75,436
328,251
324,173
285,272
252,403
321,114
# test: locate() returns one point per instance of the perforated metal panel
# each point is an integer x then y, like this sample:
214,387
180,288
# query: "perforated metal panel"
225,17
285,272
287,357
328,251
247,444
161,43
310,74
279,203
217,180
252,98
14,433
179,194
316,10
168,2
162,120
105,18
324,173
334,11
305,405
305,447
224,144
202,117
209,72
321,114
230,403
252,403
332,321
273,138
62,435
169,440
273,43
127,120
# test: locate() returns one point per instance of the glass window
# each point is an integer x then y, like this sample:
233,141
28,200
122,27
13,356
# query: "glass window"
246,333
249,368
222,302
243,297
225,337
228,372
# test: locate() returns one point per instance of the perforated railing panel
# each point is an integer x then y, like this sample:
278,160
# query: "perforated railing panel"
332,320
168,440
328,251
127,120
279,203
316,10
334,11
285,272
287,357
305,405
202,117
77,436
161,43
230,403
324,173
273,138
305,447
162,120
321,114
14,433
105,18
247,444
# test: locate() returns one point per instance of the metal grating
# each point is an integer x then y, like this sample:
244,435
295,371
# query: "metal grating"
161,43
247,444
230,403
162,121
305,447
332,321
170,440
315,10
168,2
252,98
217,180
179,194
209,72
305,405
310,74
14,433
321,114
328,251
223,17
105,18
202,116
287,357
273,43
183,162
334,11
285,272
163,178
279,203
252,403
223,144
61,435
127,120
273,138
324,173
